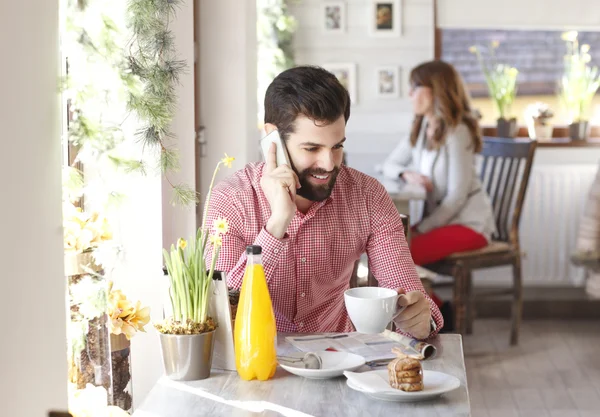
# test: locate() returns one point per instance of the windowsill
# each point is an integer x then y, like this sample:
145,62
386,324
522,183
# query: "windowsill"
560,137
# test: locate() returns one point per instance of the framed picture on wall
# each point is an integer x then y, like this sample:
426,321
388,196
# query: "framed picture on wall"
334,16
385,18
388,82
346,73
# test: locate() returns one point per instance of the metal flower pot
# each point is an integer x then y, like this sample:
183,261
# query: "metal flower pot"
579,130
187,357
507,128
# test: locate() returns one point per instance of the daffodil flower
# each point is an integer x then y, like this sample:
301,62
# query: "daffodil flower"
473,49
227,160
181,243
216,240
221,226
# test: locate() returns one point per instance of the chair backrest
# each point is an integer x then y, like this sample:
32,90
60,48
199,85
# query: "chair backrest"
505,169
371,281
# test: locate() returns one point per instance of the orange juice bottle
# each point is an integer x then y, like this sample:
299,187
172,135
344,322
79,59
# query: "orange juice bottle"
255,330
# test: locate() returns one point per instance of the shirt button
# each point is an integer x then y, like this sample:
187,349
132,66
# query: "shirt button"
275,250
300,325
303,260
303,294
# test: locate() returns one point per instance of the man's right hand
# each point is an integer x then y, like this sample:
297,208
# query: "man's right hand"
279,183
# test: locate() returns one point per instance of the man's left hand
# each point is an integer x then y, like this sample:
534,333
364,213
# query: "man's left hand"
415,316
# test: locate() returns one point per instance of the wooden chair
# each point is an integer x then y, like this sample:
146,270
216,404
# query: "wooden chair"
371,281
506,168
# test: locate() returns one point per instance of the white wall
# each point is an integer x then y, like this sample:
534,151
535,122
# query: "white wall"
148,221
519,14
180,221
33,371
227,83
376,125
138,270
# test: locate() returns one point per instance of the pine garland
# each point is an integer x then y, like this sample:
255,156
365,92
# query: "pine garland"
153,59
144,69
97,76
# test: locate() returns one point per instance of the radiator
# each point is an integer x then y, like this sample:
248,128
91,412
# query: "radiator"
549,224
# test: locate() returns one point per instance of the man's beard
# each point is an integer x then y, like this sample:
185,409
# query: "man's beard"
314,192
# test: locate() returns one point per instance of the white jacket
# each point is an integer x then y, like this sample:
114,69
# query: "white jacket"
458,196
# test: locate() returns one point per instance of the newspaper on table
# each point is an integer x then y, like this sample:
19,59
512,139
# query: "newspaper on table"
373,347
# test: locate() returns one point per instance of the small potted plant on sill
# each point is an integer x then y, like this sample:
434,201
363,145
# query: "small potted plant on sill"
538,117
88,340
187,337
501,81
578,85
125,320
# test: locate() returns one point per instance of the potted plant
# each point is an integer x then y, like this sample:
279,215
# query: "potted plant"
187,337
578,85
125,320
501,80
538,117
88,340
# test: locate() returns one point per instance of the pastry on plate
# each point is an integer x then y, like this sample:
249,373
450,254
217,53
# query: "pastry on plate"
405,373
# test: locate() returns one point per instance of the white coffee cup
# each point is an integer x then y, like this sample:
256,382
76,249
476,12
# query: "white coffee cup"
371,308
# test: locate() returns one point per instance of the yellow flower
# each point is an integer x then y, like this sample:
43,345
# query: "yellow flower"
473,49
83,231
495,44
138,319
216,240
227,160
513,72
126,318
585,48
221,226
181,243
569,36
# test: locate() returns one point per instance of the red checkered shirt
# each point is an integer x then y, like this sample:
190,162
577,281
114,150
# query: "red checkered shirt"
310,268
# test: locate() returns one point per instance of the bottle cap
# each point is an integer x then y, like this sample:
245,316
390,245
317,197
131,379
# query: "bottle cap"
253,250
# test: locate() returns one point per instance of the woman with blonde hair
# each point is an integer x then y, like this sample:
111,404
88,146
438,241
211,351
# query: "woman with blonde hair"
440,155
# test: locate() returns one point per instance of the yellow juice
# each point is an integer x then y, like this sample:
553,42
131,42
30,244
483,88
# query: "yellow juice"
255,329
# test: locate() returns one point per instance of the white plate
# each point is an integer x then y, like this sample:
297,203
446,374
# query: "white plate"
334,364
434,385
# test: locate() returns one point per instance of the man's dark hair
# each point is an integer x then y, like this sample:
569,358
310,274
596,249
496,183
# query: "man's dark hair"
310,91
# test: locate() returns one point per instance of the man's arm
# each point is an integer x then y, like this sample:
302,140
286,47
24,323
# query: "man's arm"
279,184
232,257
390,260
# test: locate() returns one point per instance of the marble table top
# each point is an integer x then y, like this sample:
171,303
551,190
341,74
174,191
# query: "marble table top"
225,394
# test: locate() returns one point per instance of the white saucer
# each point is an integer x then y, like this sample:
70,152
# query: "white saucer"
435,384
334,364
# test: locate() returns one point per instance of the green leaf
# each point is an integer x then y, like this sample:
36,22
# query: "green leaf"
184,195
128,165
72,183
169,160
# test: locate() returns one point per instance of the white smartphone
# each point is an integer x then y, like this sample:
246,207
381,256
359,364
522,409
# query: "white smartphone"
282,155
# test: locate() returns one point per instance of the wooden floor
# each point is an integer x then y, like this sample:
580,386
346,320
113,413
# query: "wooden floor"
555,370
